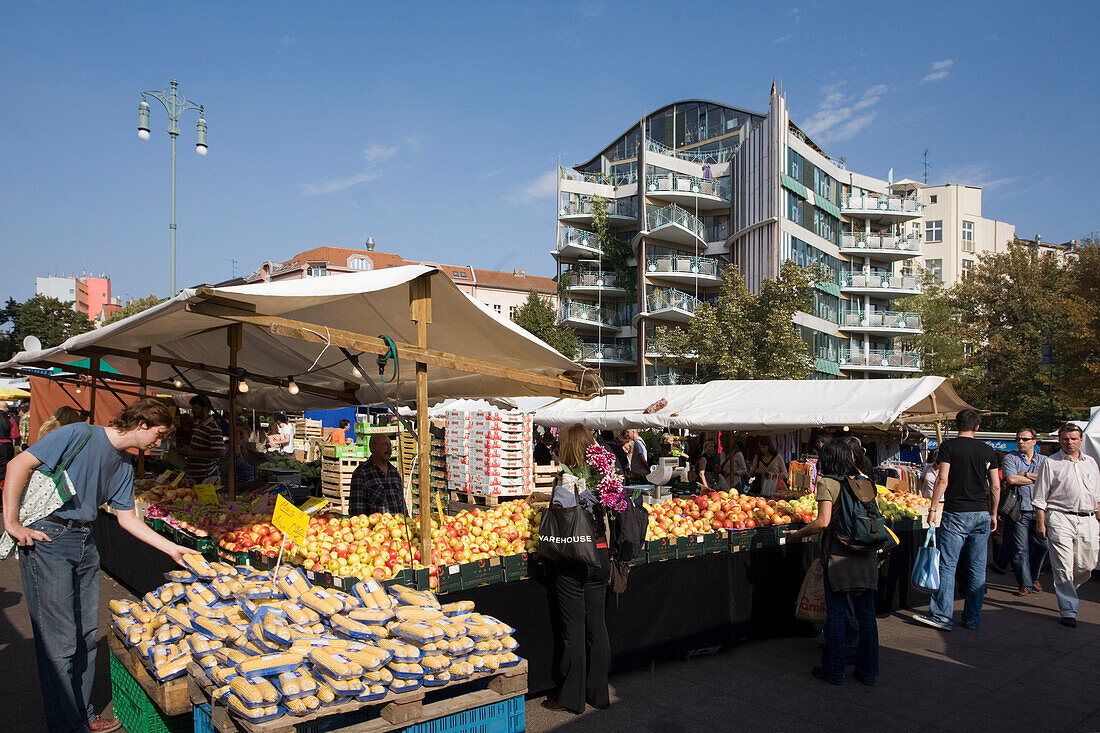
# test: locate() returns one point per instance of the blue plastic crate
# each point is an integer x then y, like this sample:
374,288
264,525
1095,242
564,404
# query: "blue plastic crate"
506,716
204,723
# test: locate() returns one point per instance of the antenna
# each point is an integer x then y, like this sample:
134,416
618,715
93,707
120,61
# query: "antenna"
926,166
232,266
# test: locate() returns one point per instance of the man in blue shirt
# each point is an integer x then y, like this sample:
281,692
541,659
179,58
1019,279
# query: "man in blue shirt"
58,559
1021,469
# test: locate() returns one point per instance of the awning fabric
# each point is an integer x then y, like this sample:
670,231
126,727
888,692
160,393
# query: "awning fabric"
794,186
368,303
760,405
826,205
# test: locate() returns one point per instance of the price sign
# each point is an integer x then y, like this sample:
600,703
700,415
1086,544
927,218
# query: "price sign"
164,477
313,505
176,482
207,493
291,520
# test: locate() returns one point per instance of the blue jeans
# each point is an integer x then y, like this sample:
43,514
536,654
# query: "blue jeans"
1030,551
837,605
959,531
61,587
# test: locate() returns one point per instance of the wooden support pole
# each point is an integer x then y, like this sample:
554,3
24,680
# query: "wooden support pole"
93,366
420,306
939,427
144,363
234,336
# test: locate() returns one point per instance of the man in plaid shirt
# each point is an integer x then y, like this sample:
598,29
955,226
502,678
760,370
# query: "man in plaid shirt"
376,485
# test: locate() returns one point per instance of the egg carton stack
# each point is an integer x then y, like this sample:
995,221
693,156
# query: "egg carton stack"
457,449
266,649
502,462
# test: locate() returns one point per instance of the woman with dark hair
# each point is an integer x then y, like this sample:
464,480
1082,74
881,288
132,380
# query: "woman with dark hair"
851,577
769,469
859,456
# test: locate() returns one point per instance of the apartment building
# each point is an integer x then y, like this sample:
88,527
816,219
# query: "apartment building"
501,292
955,232
89,295
698,186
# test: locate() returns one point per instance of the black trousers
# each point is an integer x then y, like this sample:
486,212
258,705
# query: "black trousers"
7,452
582,653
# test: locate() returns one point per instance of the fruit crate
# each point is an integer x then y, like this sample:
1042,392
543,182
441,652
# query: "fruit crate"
661,549
450,578
136,711
516,567
235,558
506,716
204,545
701,544
481,572
204,722
333,452
769,536
741,540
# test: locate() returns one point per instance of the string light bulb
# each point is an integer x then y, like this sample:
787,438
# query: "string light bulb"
177,383
78,389
292,386
356,373
242,386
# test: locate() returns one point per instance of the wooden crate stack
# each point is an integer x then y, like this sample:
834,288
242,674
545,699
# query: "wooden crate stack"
439,475
338,463
306,429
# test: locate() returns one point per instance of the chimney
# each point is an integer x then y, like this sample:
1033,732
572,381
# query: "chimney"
519,273
370,244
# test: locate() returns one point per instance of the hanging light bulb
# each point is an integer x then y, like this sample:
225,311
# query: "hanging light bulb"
292,386
242,386
356,373
177,383
78,389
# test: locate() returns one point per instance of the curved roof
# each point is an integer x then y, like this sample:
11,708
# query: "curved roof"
660,110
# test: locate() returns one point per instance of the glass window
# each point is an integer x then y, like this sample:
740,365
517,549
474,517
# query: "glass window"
935,268
933,231
512,311
826,226
319,270
794,207
968,236
496,308
794,164
967,266
933,199
359,263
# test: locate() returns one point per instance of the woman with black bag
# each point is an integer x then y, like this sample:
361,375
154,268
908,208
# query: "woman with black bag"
577,588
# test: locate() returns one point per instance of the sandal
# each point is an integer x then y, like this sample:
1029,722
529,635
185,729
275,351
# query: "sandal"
99,724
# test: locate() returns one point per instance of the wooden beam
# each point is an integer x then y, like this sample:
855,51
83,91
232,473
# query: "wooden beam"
346,396
420,310
93,363
304,331
168,386
233,338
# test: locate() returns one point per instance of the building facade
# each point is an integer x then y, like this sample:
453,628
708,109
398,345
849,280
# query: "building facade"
698,186
501,292
89,295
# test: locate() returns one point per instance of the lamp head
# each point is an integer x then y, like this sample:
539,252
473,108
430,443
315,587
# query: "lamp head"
200,144
143,120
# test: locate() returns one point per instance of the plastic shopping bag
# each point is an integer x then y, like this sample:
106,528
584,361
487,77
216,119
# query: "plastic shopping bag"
811,599
926,569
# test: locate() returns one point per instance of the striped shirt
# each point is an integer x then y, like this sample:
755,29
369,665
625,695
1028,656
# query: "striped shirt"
205,436
374,490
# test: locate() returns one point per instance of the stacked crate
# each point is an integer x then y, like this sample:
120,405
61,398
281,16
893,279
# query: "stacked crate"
489,453
338,463
305,430
408,450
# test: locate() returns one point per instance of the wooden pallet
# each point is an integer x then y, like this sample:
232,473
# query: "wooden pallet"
485,500
170,697
395,711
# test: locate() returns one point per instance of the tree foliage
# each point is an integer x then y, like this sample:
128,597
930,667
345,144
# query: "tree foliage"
537,316
745,335
134,307
51,320
1078,344
941,343
617,252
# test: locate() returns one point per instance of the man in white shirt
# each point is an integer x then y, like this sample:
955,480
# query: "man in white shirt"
1066,500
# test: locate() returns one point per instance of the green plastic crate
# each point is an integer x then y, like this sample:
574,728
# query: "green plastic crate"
506,716
450,578
701,544
481,572
516,567
741,539
769,536
661,549
136,711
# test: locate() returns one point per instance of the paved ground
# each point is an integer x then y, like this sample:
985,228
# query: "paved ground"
1021,671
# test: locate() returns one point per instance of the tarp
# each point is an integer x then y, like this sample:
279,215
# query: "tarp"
760,405
1090,446
369,303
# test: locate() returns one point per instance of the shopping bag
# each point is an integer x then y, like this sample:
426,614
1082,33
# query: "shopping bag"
811,598
926,569
567,534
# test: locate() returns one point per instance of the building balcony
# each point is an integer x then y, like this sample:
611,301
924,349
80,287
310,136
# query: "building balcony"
684,269
607,354
881,206
620,212
673,224
692,192
879,284
574,244
606,179
708,157
594,282
880,246
587,316
672,305
880,360
669,377
882,324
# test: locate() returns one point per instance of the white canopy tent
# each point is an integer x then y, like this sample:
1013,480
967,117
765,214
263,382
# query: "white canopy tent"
762,405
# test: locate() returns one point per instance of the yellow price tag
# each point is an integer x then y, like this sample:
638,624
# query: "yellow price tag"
207,493
178,478
313,505
163,477
291,520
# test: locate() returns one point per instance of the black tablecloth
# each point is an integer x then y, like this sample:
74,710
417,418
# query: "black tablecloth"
669,608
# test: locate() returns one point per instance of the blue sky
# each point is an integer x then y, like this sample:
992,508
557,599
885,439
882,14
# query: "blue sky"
436,127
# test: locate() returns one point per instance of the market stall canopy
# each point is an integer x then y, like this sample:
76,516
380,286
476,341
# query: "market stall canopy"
763,405
296,329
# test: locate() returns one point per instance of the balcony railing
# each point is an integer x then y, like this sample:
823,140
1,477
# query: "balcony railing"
666,378
683,183
587,312
584,278
582,206
682,265
879,358
606,352
609,179
698,156
882,202
887,242
672,298
880,279
571,236
673,214
891,319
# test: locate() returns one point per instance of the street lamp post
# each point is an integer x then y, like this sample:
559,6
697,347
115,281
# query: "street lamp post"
175,104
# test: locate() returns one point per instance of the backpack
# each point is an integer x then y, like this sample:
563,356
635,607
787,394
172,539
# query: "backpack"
857,523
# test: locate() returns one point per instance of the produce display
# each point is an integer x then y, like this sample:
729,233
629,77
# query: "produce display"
280,646
722,510
896,505
308,471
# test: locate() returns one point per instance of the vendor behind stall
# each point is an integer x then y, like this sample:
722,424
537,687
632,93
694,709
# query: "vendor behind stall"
768,469
339,435
206,445
375,484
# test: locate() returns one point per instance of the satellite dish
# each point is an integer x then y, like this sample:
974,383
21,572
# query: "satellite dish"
31,343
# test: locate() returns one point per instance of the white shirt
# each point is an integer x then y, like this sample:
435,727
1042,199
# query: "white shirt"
1067,486
287,431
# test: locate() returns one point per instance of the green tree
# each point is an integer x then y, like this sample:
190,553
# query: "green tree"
537,316
617,252
1004,309
941,344
745,335
47,318
1078,345
134,307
